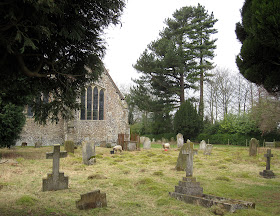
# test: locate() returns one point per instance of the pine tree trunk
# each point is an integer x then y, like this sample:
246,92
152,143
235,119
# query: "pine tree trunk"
182,88
201,103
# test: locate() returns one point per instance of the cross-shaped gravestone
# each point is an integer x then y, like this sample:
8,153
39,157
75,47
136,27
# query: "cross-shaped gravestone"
56,180
268,156
189,152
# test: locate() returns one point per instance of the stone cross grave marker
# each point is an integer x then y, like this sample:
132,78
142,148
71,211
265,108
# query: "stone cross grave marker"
267,173
189,152
55,180
268,158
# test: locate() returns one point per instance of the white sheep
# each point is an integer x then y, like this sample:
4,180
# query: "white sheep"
166,145
117,147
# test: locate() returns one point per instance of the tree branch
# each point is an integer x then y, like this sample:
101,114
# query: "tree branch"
28,72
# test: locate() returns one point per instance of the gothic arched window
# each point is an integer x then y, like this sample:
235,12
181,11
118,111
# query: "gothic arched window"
95,103
83,105
89,103
101,105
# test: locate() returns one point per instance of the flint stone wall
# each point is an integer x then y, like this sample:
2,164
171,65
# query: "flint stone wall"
107,130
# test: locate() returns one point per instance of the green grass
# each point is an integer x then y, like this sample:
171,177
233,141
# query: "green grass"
136,183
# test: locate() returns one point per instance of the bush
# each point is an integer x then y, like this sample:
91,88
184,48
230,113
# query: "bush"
12,121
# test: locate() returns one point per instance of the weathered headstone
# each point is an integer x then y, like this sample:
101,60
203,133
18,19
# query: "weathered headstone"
88,153
208,149
182,158
147,143
56,180
38,144
93,199
267,173
131,146
253,147
180,140
69,146
202,145
142,139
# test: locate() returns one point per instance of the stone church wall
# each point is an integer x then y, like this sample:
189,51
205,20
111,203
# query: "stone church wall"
107,130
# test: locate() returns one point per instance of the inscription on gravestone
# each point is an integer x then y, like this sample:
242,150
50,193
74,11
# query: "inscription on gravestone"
56,180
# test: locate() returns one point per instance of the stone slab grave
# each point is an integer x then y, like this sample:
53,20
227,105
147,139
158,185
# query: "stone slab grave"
208,149
180,140
202,145
267,173
56,180
191,192
253,147
181,161
93,199
88,153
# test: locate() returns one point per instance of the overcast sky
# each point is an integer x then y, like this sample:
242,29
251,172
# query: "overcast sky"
142,21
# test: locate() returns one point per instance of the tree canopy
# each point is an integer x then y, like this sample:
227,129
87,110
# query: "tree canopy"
44,48
259,33
181,56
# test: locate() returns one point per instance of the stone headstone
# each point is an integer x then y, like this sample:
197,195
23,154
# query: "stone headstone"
131,146
88,153
38,144
142,139
208,149
267,173
69,146
180,140
253,147
183,158
202,145
147,143
56,180
90,200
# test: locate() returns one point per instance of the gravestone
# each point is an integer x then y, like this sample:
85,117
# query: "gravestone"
180,140
189,190
56,180
147,143
208,149
253,147
69,146
267,173
38,144
93,199
88,153
270,144
182,158
142,139
131,146
202,145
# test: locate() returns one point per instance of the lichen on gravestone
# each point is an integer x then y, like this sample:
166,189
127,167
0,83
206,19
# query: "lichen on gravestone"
69,146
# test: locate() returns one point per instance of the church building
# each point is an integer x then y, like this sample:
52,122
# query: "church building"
103,116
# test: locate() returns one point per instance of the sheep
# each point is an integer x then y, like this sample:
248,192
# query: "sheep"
117,147
166,145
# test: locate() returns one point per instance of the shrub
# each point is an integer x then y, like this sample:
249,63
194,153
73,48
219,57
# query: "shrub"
12,121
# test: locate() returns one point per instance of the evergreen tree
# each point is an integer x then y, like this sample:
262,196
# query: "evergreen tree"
259,57
174,62
187,121
45,46
203,46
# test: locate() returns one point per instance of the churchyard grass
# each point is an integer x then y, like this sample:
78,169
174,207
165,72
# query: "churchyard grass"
136,183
